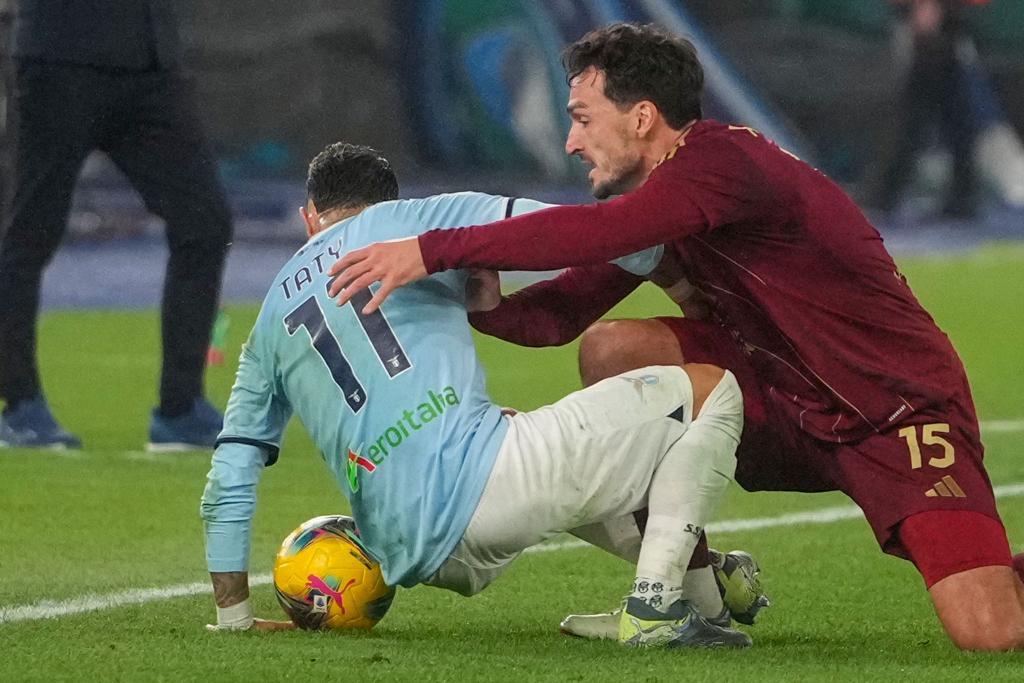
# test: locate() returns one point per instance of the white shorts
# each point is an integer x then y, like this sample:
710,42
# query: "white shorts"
587,458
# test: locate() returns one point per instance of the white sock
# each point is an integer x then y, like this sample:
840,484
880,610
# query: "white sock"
656,592
621,537
689,482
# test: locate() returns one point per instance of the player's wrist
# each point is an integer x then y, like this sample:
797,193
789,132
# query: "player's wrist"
237,617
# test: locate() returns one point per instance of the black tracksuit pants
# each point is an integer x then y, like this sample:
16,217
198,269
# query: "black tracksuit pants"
145,121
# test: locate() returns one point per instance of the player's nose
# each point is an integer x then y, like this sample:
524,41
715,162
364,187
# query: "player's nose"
572,143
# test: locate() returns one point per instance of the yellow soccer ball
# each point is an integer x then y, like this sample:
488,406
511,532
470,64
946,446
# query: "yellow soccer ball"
325,580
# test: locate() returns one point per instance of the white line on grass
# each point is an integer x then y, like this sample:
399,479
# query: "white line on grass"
838,513
49,609
987,427
1002,426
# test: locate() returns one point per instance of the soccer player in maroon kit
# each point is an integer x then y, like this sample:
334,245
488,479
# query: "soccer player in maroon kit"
849,384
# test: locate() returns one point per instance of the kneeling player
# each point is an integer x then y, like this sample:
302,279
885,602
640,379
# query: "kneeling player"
395,402
848,382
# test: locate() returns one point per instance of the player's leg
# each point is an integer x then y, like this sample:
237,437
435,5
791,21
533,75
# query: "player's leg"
924,490
622,537
610,347
588,457
686,486
540,454
61,111
166,157
976,592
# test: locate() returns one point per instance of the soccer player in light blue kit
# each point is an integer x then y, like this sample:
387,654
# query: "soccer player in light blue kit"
444,488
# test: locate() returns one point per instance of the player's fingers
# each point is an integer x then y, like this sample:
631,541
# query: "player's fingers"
268,625
339,281
349,259
344,281
378,298
359,284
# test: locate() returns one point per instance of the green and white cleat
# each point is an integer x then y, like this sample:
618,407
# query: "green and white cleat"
738,577
678,626
605,626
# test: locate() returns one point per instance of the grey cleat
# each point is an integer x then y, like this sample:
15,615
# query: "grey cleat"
738,577
678,626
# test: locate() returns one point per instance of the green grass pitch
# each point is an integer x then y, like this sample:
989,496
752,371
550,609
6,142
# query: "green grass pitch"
112,518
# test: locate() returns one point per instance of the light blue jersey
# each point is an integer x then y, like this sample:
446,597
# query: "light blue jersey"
395,401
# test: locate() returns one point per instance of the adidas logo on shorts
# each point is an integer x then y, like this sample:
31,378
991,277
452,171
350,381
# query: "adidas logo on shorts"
947,488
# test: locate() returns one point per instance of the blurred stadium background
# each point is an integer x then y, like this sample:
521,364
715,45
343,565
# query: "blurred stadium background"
463,94
101,565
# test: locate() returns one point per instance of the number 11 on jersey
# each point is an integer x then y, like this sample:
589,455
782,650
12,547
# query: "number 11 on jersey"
378,332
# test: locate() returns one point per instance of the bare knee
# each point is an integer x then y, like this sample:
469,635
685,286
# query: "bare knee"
997,638
611,347
981,609
704,378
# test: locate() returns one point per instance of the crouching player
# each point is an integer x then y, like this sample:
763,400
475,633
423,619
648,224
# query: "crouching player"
848,383
395,402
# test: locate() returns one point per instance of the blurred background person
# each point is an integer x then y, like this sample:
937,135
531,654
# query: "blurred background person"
6,81
934,96
105,75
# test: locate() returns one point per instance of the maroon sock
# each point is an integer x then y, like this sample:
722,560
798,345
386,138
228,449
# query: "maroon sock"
700,558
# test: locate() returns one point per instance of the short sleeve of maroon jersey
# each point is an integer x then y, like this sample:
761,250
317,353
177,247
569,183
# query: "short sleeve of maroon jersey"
716,186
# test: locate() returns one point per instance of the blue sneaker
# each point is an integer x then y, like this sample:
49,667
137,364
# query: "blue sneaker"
195,430
31,425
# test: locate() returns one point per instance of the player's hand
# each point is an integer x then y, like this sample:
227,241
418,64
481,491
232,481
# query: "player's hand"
483,291
392,264
272,625
257,625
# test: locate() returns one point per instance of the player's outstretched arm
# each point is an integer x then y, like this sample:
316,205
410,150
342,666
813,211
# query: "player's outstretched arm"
554,312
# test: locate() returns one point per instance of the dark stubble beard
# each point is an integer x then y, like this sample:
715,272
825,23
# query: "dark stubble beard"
625,179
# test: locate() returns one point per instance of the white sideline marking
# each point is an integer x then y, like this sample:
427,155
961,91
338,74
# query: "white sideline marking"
838,513
987,427
49,609
1002,426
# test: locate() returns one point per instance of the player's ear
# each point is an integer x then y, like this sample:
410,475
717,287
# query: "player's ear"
310,219
645,114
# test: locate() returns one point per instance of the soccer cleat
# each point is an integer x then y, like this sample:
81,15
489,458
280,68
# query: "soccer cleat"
678,626
737,574
32,425
195,430
605,626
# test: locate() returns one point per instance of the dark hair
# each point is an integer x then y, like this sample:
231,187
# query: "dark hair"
642,62
344,176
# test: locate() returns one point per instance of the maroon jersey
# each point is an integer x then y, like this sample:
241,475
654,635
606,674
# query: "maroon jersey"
554,312
798,275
